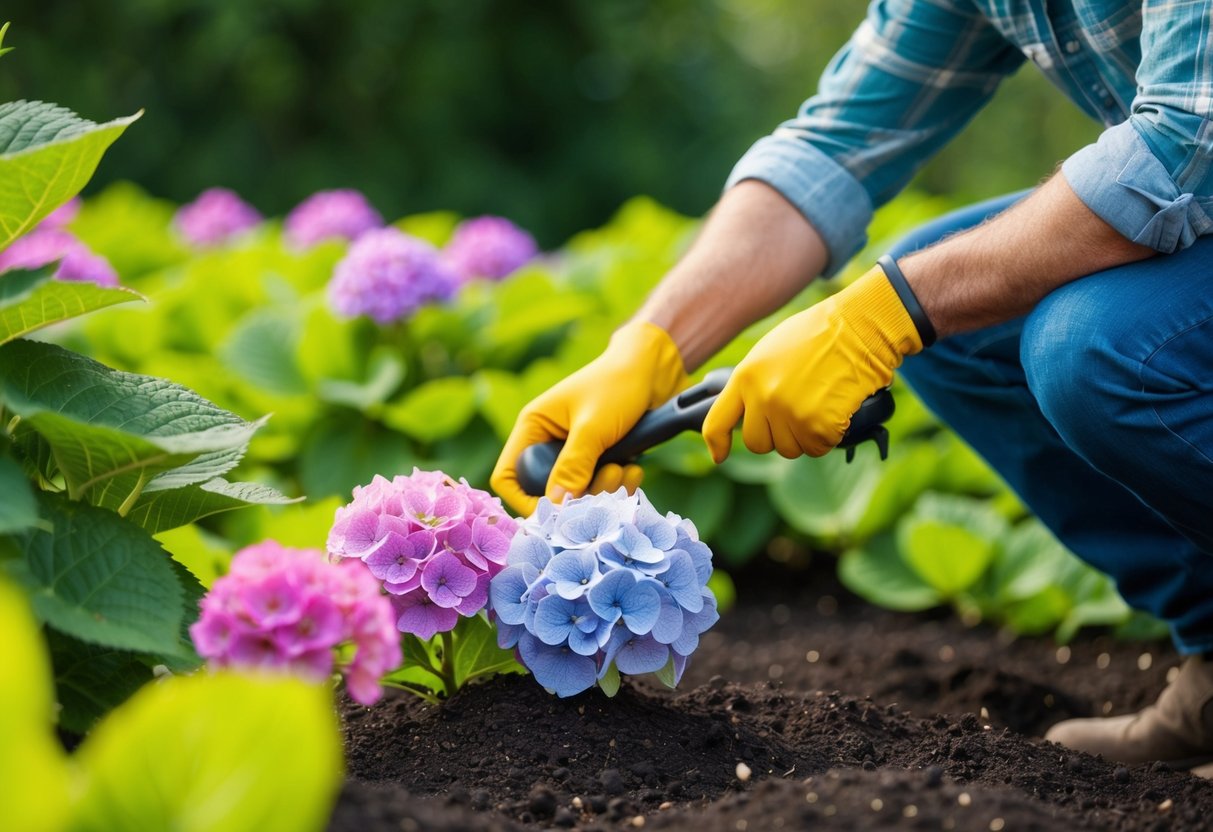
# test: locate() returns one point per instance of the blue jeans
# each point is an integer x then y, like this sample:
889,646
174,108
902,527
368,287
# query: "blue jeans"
1097,409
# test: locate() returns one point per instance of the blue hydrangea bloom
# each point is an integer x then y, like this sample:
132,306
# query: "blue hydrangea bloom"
603,580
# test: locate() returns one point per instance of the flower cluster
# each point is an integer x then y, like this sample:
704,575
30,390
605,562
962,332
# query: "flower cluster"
215,217
287,609
491,247
433,542
603,580
62,216
342,214
386,275
47,244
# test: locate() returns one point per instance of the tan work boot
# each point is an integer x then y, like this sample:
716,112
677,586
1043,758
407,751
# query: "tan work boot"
1177,729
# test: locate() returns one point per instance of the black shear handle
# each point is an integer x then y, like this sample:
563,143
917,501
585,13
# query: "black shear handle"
686,411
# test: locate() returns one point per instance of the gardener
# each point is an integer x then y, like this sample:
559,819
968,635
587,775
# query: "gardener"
1075,322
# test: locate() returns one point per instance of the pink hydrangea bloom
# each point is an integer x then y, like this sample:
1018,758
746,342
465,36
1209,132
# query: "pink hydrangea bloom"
433,542
63,215
491,247
387,275
215,217
342,214
44,246
287,609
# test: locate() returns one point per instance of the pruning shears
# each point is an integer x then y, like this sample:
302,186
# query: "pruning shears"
686,411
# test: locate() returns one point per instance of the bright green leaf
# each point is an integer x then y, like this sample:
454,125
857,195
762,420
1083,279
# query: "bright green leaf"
100,579
261,350
213,753
204,555
436,410
47,154
610,681
877,573
1037,614
32,300
157,511
1031,560
826,498
666,674
385,373
722,586
949,558
477,653
903,477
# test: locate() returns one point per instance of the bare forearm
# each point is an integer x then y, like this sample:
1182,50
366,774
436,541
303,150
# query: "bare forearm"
1002,268
755,252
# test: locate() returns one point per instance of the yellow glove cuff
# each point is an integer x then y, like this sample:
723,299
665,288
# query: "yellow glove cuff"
871,308
647,346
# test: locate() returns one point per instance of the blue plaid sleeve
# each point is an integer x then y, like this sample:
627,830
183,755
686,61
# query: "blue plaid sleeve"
909,79
1151,177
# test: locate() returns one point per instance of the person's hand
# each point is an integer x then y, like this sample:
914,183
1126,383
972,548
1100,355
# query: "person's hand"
801,383
591,410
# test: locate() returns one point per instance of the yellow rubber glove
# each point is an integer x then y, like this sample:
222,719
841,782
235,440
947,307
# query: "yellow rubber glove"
801,383
591,410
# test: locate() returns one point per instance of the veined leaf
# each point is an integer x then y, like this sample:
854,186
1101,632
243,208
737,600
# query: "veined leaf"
32,300
877,573
18,510
100,579
110,433
436,410
47,154
157,511
91,680
477,653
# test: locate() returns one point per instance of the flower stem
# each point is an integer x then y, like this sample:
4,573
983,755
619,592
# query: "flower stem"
448,663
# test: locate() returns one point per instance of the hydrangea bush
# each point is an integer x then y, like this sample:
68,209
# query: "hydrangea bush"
490,247
47,244
602,585
292,609
216,217
343,214
387,275
433,543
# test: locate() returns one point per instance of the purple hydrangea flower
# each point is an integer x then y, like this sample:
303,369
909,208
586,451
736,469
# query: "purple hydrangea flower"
341,214
44,246
433,542
491,247
387,275
215,217
603,580
62,216
287,609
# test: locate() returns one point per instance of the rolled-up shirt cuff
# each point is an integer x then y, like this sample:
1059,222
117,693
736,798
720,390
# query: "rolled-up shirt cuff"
1125,184
826,193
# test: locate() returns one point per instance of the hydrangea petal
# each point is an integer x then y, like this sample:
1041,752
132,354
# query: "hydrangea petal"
507,589
558,669
526,548
606,598
555,618
681,581
640,607
641,654
668,626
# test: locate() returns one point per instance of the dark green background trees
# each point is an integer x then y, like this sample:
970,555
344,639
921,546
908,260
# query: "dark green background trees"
551,113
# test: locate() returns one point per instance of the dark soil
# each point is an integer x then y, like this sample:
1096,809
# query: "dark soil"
801,710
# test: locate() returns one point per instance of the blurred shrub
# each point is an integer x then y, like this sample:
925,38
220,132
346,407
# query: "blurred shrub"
551,113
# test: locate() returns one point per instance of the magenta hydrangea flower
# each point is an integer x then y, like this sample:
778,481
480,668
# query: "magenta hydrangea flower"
433,542
215,217
287,609
44,246
491,247
62,216
387,275
342,214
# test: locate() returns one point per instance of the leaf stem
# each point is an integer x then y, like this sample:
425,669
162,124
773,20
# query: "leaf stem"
448,663
416,690
129,502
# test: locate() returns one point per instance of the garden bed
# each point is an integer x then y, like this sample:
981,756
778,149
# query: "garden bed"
846,717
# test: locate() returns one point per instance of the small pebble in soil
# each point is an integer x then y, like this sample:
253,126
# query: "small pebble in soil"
743,772
612,781
1102,661
877,804
1121,775
1063,654
598,803
934,775
564,817
1107,708
1166,805
947,653
812,656
542,801
910,811
963,799
1144,661
1172,675
638,821
997,825
810,797
481,800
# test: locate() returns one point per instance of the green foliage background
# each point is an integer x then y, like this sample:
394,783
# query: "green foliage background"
551,113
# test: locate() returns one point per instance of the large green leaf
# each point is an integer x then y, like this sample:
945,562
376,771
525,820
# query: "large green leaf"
18,510
158,511
438,409
261,349
47,154
747,526
213,753
91,680
385,372
1031,560
826,498
114,434
32,765
950,541
877,573
32,300
477,653
100,579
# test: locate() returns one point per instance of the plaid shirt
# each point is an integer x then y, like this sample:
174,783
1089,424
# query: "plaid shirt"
916,71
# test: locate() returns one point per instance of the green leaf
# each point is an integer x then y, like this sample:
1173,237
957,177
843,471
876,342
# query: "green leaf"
18,509
6,49
477,653
722,586
47,154
877,573
157,511
826,498
1037,614
205,556
115,434
666,674
261,350
610,681
32,764
1031,560
419,666
32,300
385,373
747,526
101,579
211,753
91,680
339,455
435,410
950,541
703,500
903,478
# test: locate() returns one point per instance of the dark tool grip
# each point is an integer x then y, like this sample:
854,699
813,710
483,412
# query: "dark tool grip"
686,411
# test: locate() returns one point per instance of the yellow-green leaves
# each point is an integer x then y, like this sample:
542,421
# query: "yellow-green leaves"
32,300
